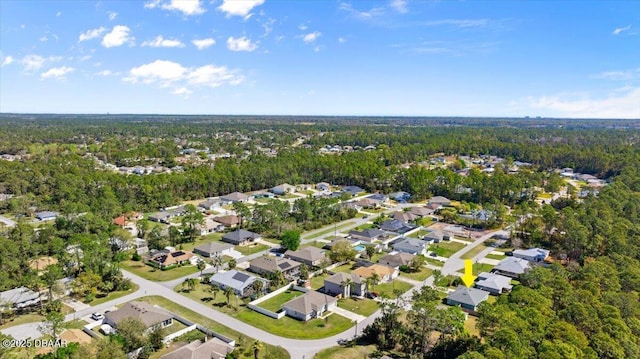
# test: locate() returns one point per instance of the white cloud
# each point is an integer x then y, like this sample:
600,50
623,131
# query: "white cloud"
160,41
399,6
311,37
7,61
302,27
622,103
363,15
118,36
179,78
619,75
187,7
57,72
112,15
459,22
240,44
44,38
342,40
620,30
85,57
91,34
202,44
106,73
239,7
58,13
32,62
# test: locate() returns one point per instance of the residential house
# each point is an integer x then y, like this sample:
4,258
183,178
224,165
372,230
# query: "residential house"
396,260
311,256
436,236
209,204
421,211
165,259
283,189
493,283
365,203
240,237
267,265
433,206
336,240
240,282
532,254
379,197
213,249
404,216
411,245
442,201
368,235
148,314
209,226
467,298
229,221
46,215
323,186
512,267
309,305
21,297
213,348
162,217
384,273
352,190
336,285
400,196
234,197
263,194
120,221
396,226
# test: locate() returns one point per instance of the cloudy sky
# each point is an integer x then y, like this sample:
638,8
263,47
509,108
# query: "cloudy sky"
392,57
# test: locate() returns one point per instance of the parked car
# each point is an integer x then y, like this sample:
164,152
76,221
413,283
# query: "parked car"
106,329
97,316
372,295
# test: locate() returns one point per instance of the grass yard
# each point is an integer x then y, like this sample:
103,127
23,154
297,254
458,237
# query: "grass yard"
365,226
329,230
263,200
242,340
434,262
470,326
317,282
289,196
446,249
22,319
495,256
423,274
251,249
474,251
545,195
425,222
148,272
364,307
286,327
274,304
340,352
345,268
418,234
306,192
115,295
479,268
387,289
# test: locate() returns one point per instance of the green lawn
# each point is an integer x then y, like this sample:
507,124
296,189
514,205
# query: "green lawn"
242,340
286,327
345,268
474,251
365,226
306,192
470,326
251,248
274,304
387,289
329,230
425,222
115,295
417,234
148,272
364,307
317,282
479,268
419,276
22,319
495,256
434,262
545,195
288,196
263,200
340,352
446,249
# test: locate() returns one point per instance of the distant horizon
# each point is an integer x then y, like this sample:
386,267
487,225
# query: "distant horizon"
508,59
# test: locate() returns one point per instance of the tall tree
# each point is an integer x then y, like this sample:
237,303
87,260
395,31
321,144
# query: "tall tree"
192,219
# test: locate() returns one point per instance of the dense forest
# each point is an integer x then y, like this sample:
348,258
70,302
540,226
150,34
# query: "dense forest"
584,306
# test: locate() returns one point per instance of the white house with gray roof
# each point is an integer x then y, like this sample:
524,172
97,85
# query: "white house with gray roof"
467,298
213,249
311,256
493,283
240,282
309,306
148,314
411,245
512,267
20,297
240,237
532,254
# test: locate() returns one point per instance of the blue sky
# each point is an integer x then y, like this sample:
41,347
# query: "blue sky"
393,57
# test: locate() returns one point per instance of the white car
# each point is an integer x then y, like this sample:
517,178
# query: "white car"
97,316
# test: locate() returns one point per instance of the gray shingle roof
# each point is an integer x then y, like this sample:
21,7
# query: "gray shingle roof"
513,265
469,296
213,247
240,236
308,302
145,312
233,279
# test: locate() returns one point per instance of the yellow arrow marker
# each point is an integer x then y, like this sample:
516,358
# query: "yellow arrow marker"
468,276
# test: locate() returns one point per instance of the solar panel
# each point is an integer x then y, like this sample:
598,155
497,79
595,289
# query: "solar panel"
240,277
284,265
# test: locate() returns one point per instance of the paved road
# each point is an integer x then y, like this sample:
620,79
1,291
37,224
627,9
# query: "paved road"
7,222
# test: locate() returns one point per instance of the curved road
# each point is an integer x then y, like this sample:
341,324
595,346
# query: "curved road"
297,348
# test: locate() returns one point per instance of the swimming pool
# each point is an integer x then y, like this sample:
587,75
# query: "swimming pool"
359,248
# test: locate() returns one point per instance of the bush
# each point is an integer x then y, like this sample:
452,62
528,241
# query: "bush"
136,257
